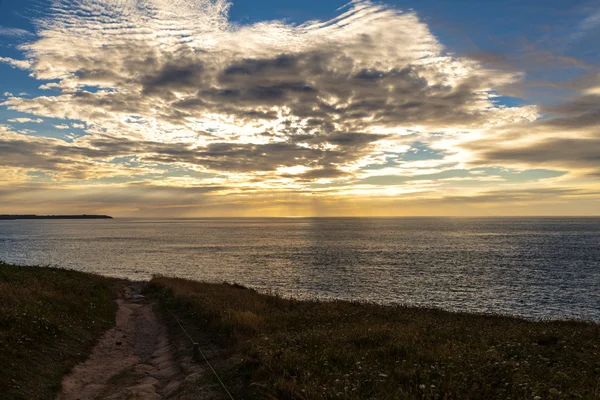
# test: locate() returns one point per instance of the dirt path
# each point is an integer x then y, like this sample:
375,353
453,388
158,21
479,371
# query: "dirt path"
133,360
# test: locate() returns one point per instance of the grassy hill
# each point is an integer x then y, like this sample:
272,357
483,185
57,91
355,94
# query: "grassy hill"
49,321
287,349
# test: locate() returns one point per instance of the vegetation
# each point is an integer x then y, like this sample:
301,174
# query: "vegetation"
287,349
49,321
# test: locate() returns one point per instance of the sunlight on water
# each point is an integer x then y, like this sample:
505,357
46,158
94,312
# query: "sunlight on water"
536,268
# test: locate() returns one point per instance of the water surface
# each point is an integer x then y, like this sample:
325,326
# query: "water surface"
531,267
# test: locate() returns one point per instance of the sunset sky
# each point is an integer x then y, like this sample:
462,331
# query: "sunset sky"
185,108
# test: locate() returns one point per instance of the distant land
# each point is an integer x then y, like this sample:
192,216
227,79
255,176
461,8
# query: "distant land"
31,216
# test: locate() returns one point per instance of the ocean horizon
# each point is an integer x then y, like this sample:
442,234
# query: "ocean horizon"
533,267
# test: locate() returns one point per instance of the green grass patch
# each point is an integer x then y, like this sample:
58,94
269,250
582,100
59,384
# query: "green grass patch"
49,321
289,349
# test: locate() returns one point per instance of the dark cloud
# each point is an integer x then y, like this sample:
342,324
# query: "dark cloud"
79,156
567,153
569,137
328,172
175,76
577,113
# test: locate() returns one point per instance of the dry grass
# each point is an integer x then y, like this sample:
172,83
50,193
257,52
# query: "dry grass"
49,321
288,349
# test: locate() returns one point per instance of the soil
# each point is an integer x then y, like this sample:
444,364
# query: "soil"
133,360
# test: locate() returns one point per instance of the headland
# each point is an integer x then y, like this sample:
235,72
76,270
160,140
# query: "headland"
33,216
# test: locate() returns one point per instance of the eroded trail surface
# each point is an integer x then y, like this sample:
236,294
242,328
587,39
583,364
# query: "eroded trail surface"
133,360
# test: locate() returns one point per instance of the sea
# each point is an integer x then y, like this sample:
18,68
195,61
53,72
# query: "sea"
536,268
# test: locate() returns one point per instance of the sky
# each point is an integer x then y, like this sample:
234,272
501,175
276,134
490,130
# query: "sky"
210,108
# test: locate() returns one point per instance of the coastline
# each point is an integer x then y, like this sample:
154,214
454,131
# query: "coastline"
11,217
292,349
265,346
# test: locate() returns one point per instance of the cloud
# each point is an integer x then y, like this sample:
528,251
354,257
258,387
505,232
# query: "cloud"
568,138
144,198
584,152
15,32
588,24
268,95
20,64
130,197
26,120
174,88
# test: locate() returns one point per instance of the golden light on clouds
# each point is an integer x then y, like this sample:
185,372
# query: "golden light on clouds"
168,108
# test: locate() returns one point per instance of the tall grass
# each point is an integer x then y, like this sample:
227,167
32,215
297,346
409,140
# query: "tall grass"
49,321
287,349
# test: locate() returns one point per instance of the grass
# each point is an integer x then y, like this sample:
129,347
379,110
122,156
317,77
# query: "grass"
287,349
49,321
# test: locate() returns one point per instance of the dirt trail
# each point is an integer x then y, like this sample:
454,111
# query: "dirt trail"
133,360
